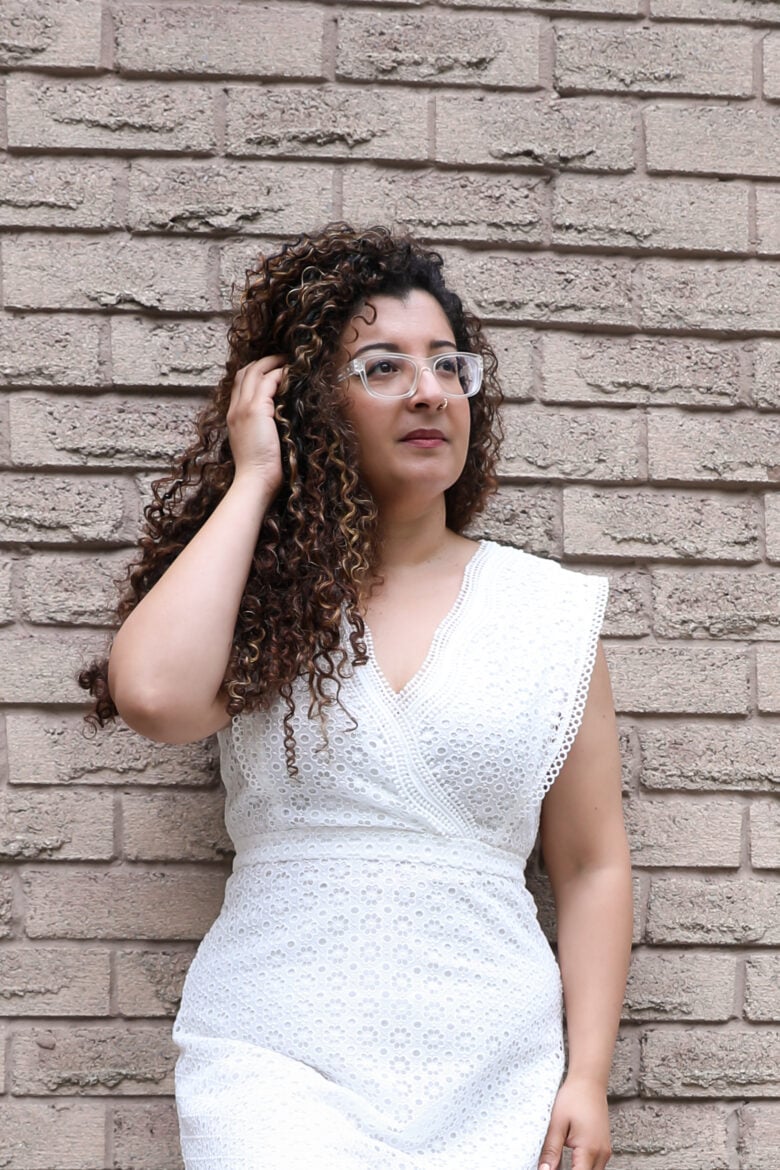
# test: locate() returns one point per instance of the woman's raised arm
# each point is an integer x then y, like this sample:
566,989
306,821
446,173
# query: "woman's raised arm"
169,657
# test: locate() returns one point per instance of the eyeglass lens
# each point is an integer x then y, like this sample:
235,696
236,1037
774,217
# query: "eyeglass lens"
392,375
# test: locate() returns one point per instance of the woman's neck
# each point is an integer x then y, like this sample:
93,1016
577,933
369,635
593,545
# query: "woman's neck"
409,541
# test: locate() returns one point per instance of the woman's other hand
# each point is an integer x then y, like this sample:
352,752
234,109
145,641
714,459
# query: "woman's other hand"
254,439
579,1122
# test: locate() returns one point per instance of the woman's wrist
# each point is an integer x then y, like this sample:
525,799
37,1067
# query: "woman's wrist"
588,1077
253,488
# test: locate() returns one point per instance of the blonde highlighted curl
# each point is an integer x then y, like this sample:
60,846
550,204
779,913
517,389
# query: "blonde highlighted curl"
317,548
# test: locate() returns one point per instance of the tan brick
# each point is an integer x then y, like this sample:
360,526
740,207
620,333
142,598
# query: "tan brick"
680,986
543,287
736,297
227,196
50,351
270,40
149,983
48,981
670,831
41,667
436,206
665,59
123,903
37,1135
659,525
627,613
166,826
603,7
765,834
145,1136
109,115
79,589
729,757
768,217
323,122
771,47
6,905
738,449
659,1136
747,11
767,374
534,132
768,664
59,825
100,432
772,510
713,140
628,604
762,987
448,48
624,1074
93,1061
48,272
39,34
148,352
710,1064
549,444
694,680
51,749
655,213
527,518
7,613
5,428
759,1138
727,911
718,603
514,350
52,193
639,370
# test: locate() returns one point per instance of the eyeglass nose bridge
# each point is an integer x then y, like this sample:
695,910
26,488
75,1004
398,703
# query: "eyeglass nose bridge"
420,366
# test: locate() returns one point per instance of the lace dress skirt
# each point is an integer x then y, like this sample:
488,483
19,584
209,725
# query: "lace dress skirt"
370,1005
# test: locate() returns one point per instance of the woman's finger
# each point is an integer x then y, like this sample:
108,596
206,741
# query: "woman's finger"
249,377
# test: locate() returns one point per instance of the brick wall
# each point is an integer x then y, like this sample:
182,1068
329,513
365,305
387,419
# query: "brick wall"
604,179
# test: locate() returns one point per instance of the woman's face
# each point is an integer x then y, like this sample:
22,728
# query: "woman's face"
410,448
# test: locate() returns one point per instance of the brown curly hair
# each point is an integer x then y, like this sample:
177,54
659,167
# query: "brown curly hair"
318,544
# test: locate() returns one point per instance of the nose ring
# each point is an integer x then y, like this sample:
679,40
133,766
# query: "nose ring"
442,405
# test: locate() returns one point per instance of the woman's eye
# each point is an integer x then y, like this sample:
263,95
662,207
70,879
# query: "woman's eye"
382,366
448,366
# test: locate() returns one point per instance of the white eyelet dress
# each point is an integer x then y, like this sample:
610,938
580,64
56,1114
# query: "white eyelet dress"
376,993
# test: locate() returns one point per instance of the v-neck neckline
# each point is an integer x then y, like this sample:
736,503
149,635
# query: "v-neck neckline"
439,634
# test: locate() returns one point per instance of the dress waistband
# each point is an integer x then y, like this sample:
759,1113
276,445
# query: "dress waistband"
327,844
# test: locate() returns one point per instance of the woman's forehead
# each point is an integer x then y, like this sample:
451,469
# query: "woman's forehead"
417,316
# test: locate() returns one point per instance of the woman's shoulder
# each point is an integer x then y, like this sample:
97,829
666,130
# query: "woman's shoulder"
515,568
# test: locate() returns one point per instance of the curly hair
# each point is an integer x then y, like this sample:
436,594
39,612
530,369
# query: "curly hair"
318,544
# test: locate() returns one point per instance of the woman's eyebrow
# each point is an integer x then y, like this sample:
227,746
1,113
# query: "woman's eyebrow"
391,347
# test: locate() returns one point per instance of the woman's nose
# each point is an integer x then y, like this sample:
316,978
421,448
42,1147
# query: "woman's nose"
428,389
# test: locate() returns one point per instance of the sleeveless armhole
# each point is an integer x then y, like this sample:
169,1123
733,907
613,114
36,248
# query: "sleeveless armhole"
583,600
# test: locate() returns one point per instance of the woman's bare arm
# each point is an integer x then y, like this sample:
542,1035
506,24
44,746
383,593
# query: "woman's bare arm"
586,854
168,660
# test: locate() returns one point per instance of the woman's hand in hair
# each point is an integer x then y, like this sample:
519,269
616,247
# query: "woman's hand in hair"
254,439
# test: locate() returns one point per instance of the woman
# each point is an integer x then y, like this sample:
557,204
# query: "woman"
393,703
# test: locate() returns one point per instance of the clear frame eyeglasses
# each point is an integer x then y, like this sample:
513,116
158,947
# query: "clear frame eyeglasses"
395,375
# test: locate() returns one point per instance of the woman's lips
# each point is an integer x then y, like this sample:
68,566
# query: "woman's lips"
424,438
